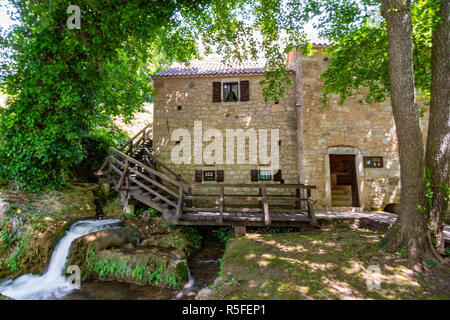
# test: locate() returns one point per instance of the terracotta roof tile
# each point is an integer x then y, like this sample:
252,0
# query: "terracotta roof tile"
204,68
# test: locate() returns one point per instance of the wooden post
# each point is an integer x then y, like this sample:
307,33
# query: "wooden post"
221,196
265,207
180,203
311,214
122,177
297,202
240,230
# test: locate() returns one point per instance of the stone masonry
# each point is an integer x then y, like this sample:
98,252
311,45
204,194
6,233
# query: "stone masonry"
351,128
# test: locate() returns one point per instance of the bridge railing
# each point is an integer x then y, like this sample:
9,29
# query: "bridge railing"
286,199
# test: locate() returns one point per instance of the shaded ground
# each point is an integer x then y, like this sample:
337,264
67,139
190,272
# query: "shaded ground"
326,264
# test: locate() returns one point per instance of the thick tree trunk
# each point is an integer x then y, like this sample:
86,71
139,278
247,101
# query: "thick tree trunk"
410,229
438,140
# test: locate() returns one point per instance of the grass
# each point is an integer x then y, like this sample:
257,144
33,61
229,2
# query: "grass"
325,264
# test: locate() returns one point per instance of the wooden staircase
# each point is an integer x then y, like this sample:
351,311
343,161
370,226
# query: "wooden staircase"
138,175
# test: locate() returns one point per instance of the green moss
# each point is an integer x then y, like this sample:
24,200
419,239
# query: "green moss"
326,264
119,269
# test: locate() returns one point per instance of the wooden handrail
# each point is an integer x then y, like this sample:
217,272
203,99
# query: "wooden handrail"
147,168
248,185
134,137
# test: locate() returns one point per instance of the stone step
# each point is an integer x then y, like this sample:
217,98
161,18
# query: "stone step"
341,203
338,197
339,191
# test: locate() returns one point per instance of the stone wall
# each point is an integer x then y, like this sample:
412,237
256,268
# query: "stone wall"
194,95
351,128
361,129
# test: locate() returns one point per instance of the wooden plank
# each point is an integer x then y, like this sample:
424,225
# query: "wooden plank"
156,183
135,136
150,203
221,205
173,204
122,177
250,186
179,204
265,206
147,168
115,169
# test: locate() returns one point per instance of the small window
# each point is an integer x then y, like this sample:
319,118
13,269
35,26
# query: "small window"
230,92
265,175
209,175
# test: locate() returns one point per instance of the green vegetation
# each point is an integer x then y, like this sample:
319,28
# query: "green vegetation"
119,269
325,264
225,234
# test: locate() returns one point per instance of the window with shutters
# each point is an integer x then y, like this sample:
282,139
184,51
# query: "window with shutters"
220,176
265,175
209,175
230,92
198,176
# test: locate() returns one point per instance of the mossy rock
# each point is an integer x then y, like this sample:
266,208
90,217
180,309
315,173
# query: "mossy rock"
44,220
142,266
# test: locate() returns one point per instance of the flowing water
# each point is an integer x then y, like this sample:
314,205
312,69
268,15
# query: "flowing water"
203,269
53,284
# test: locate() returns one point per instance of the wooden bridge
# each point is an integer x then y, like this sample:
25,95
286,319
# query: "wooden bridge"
137,175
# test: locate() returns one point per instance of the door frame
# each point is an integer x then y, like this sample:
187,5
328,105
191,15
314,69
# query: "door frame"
359,170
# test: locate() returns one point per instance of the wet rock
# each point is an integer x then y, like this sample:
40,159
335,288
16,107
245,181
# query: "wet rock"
169,240
105,239
128,246
204,294
142,266
4,208
219,281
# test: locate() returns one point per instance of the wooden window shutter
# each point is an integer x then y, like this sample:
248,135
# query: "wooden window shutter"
220,176
217,86
253,175
198,176
245,90
277,176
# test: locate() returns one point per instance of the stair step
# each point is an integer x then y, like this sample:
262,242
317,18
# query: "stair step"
338,197
339,191
341,203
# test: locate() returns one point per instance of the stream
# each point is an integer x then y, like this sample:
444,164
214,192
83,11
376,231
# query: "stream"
53,284
203,267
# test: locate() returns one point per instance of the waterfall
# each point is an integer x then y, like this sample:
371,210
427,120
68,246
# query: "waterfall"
53,284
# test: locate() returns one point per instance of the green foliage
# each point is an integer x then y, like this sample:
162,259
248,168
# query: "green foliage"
109,267
278,229
447,252
15,259
95,146
225,234
221,268
63,83
7,237
432,263
191,234
358,41
403,251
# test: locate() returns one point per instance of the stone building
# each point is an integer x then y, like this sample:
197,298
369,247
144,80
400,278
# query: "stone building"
348,152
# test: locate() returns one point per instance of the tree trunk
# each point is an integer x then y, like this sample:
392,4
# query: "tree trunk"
438,140
410,229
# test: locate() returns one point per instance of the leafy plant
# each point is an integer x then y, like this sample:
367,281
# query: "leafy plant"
225,233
